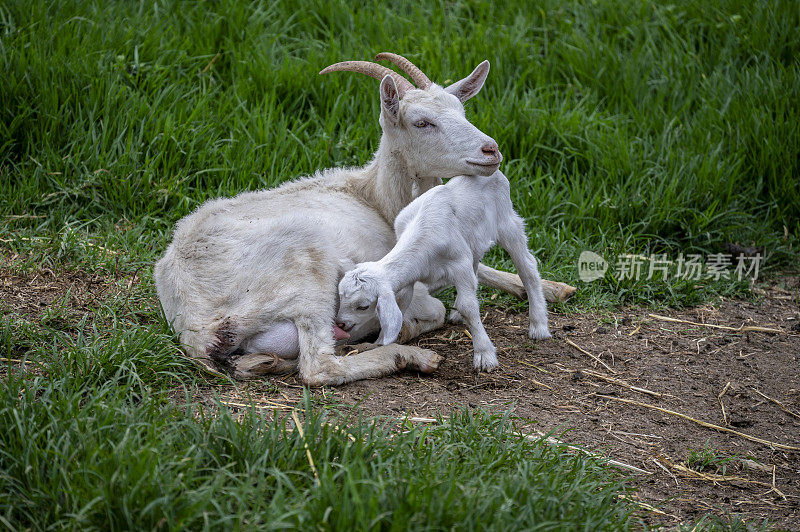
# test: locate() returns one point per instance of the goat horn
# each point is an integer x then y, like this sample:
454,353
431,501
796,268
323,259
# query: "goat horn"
372,70
408,67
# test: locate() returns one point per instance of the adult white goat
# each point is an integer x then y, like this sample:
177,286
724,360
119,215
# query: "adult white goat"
243,275
441,237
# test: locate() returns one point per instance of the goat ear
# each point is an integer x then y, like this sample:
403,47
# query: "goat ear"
471,85
390,99
390,317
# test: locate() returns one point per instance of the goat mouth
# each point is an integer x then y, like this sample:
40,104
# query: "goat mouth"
485,166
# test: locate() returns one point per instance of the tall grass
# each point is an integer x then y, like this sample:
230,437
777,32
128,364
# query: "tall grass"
627,127
110,461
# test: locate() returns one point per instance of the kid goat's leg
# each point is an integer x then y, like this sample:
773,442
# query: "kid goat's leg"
512,238
485,357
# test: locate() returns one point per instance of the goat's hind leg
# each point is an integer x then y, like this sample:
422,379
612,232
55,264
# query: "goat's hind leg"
271,351
512,238
554,291
387,359
256,365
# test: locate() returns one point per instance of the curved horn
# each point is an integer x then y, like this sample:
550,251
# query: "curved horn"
408,67
372,70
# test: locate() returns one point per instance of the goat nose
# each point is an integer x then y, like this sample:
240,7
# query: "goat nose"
490,148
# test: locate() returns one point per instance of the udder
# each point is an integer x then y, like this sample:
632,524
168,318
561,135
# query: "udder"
281,339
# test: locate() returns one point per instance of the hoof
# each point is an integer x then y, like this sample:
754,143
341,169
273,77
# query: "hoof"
426,361
539,333
486,361
431,364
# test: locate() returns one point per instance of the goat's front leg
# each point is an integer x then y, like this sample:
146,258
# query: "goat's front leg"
317,361
320,366
512,238
485,354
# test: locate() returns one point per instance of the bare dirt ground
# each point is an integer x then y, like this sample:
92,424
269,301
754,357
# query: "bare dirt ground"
739,380
692,370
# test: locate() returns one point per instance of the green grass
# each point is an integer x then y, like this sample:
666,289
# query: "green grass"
709,459
726,523
113,460
628,127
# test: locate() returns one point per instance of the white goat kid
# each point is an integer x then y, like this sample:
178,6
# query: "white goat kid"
441,238
249,280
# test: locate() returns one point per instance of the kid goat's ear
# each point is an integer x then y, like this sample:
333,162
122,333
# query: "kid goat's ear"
390,100
390,317
471,85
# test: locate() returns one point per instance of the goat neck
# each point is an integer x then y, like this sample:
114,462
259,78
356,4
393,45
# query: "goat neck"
387,182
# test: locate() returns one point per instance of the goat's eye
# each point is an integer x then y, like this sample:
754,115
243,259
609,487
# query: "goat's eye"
422,123
364,307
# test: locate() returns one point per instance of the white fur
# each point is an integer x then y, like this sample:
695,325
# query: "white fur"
238,269
441,238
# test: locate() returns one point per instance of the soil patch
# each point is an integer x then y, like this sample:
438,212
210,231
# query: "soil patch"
75,291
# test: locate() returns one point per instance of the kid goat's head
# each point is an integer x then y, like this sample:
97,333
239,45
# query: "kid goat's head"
364,293
427,123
